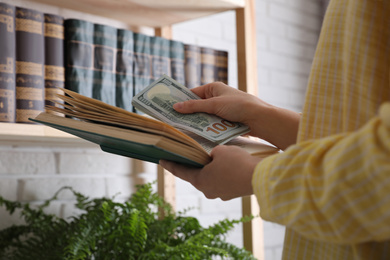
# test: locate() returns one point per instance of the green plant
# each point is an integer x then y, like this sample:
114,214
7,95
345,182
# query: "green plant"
110,230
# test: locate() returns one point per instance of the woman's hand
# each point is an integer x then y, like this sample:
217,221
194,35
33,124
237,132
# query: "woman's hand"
223,101
275,125
227,176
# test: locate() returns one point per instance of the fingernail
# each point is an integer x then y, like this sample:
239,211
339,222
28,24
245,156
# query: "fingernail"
178,105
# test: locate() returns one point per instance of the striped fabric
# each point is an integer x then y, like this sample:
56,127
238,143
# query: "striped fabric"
332,189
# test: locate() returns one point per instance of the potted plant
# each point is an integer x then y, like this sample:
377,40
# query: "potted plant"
106,229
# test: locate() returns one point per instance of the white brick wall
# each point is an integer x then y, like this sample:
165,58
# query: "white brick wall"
287,32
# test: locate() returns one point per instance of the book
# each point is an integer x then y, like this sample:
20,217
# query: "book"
177,61
214,65
222,66
142,61
7,63
54,57
208,65
29,64
124,69
192,65
104,54
129,134
160,57
79,56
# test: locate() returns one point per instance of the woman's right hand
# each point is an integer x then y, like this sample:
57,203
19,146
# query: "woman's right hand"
265,121
221,100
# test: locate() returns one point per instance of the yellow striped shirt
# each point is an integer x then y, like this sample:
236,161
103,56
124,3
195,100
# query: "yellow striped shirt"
332,189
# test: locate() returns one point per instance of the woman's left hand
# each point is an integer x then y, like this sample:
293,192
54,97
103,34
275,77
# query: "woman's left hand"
227,176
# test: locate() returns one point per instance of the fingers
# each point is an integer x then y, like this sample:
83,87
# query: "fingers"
192,106
180,171
227,176
205,91
211,99
213,89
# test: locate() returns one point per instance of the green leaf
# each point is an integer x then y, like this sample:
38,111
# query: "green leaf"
110,230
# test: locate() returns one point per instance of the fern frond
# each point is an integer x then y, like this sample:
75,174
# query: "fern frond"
110,230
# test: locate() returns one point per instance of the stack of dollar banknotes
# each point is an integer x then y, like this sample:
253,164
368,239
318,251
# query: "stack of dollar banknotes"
157,100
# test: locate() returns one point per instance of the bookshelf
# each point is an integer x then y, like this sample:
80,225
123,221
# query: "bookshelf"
38,135
161,15
151,13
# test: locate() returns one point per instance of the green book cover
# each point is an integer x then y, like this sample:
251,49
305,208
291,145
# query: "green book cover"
79,56
7,63
142,61
124,69
177,61
124,142
30,56
160,57
192,65
104,54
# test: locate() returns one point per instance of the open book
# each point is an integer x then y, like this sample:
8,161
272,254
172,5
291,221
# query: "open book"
129,134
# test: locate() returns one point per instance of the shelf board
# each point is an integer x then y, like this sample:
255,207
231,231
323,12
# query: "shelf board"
151,13
38,135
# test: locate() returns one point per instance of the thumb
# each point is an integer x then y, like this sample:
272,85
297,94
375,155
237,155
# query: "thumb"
192,106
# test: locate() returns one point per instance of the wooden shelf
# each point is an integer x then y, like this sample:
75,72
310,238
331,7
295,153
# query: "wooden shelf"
151,13
38,135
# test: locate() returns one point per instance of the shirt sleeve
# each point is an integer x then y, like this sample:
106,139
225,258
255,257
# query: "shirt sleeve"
332,189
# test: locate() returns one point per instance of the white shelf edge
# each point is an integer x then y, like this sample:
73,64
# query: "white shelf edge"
38,135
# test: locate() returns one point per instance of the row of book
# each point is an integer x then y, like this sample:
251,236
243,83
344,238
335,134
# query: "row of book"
40,52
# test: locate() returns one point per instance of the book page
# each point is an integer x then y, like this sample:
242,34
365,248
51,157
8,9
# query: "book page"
86,108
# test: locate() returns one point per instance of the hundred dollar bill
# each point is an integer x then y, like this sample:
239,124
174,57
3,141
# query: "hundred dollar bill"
157,100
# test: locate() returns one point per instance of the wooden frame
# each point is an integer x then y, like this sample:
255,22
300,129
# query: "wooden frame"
247,81
166,184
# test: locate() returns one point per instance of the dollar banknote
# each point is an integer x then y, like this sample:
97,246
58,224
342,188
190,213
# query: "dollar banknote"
158,98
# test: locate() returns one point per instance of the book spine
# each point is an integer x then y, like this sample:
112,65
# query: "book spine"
124,69
79,56
208,65
54,58
142,62
29,64
160,57
192,66
7,63
222,66
177,61
104,81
